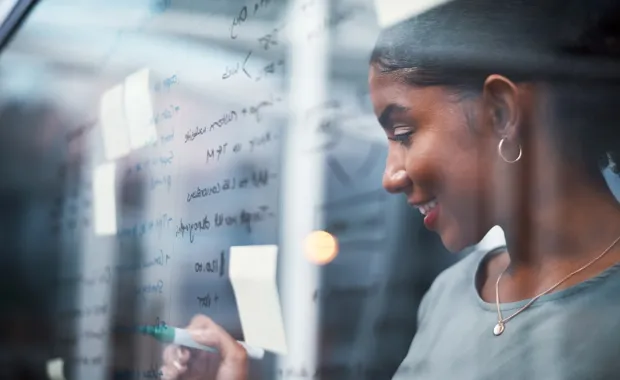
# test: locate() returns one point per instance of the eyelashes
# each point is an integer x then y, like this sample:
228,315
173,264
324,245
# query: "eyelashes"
402,138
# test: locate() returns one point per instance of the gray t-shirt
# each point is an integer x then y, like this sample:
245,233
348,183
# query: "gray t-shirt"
572,334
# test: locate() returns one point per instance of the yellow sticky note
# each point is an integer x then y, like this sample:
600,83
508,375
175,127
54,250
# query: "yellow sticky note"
252,272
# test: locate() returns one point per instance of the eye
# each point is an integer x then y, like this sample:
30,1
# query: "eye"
401,134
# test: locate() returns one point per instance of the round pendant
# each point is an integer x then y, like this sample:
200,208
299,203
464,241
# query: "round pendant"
498,329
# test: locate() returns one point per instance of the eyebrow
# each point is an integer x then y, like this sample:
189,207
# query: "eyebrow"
389,113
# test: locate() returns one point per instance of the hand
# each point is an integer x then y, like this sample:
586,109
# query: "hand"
181,363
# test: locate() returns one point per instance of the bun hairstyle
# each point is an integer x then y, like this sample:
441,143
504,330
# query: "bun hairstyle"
571,45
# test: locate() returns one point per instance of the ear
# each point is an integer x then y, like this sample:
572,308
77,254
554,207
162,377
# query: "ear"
501,107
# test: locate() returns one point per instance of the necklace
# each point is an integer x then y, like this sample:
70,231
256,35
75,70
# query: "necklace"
501,322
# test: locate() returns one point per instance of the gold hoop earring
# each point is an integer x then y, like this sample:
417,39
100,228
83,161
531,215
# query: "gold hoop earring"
501,153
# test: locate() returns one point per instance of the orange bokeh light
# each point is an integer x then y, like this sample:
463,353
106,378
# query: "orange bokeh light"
321,247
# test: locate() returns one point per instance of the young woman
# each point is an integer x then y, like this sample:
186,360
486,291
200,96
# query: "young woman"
474,146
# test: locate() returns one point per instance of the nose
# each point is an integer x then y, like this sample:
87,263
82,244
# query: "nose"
395,179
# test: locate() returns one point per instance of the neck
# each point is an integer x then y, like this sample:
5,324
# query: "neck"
562,223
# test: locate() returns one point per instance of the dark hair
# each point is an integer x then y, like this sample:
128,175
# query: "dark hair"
571,45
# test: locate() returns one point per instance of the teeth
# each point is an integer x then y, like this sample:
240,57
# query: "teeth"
426,208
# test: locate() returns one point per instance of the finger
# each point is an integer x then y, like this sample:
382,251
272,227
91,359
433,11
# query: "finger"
175,354
205,331
179,367
183,354
209,333
172,372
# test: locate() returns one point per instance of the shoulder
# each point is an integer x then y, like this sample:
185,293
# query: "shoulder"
447,294
459,278
460,272
454,282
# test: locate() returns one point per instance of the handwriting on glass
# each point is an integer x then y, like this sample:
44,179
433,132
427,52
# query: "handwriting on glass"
158,260
269,69
99,334
166,84
151,163
228,72
214,266
221,150
243,15
207,267
85,360
270,39
164,181
258,179
88,311
245,219
207,300
262,140
226,119
146,227
166,114
230,117
143,291
256,109
235,69
161,140
168,138
88,334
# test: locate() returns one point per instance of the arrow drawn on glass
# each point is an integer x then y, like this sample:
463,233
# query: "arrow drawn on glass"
246,61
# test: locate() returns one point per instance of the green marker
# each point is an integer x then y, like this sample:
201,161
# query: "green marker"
182,337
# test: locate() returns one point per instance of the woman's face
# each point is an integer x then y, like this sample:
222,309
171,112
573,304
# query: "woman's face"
435,157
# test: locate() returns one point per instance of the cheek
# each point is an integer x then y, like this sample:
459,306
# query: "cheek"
424,169
465,162
463,216
466,192
431,163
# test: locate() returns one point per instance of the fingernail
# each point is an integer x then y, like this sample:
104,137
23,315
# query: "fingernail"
399,175
177,365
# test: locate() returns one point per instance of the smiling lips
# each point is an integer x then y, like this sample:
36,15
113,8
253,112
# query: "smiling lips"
427,207
430,210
